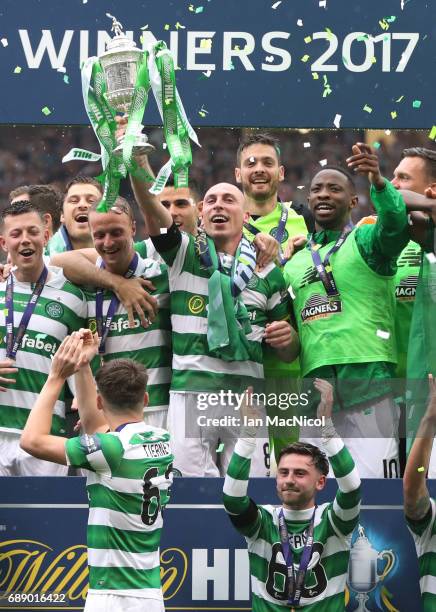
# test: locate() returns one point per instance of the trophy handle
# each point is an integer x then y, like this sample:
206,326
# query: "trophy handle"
389,556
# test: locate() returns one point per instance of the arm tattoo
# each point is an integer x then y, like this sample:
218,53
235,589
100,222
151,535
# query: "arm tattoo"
418,509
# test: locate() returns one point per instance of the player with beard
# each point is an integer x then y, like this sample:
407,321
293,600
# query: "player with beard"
299,551
343,283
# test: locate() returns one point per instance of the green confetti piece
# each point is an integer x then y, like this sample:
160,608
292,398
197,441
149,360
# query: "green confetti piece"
416,103
46,111
376,145
17,69
363,37
66,79
432,134
421,469
199,9
367,108
220,448
305,58
308,39
391,19
329,32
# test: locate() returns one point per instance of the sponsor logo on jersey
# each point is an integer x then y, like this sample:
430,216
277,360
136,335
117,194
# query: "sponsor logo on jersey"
310,276
55,310
38,344
285,236
406,290
319,307
196,304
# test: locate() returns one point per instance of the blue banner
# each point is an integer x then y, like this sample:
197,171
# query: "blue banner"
204,562
305,63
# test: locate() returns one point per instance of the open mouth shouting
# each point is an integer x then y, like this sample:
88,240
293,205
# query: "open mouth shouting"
219,219
27,253
81,218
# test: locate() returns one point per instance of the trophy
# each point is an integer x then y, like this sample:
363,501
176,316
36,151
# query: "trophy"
363,576
120,63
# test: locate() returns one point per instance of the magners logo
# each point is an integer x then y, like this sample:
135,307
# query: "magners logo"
406,290
319,306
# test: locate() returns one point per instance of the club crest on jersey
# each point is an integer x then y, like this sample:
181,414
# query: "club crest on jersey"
285,236
92,325
196,304
54,310
319,307
406,289
253,282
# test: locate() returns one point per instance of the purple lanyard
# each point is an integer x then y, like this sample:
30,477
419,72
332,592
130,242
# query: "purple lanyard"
103,326
323,268
66,237
278,234
296,582
13,342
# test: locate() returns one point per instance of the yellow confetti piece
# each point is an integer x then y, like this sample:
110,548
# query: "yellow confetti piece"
191,8
383,24
305,58
308,39
315,75
421,469
432,134
167,26
180,26
394,114
206,43
373,59
167,101
329,33
46,111
236,48
17,69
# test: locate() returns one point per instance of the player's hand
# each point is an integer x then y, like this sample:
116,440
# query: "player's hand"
267,249
250,416
91,342
295,243
7,366
278,334
131,293
120,132
67,359
325,406
365,161
5,270
430,193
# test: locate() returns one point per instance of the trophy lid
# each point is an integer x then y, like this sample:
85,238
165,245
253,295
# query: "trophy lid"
120,42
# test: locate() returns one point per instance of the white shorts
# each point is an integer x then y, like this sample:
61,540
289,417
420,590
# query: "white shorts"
371,435
16,462
195,454
106,602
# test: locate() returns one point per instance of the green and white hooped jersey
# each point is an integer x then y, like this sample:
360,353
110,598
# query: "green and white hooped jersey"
333,528
130,472
147,250
150,346
424,536
60,310
194,369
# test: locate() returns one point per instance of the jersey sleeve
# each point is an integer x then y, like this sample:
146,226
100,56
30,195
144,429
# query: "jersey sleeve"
279,303
98,452
243,512
170,244
345,509
422,529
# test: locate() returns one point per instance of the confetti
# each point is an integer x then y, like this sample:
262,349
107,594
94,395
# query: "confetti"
367,109
4,42
276,4
421,469
308,39
376,145
400,99
323,3
179,26
144,27
85,1
384,24
61,69
269,59
315,75
203,112
305,58
300,186
327,89
17,69
388,132
167,26
66,79
163,230
221,445
384,335
337,121
306,145
323,162
199,9
191,8
206,43
431,257
432,134
207,73
416,103
46,111
329,32
394,114
300,23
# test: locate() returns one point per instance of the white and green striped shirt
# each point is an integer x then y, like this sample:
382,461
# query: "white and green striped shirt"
334,524
424,535
150,346
194,368
130,472
60,310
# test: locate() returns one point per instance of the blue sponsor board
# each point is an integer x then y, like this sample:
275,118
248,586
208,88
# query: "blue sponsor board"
305,63
204,563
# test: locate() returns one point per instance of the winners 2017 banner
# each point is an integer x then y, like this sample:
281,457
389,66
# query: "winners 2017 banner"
299,63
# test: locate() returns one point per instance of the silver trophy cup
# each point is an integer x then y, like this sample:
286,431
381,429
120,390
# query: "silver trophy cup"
120,64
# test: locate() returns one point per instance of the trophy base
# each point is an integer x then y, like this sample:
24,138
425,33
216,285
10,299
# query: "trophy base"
141,146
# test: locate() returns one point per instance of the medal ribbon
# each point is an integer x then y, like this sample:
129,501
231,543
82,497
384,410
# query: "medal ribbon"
13,343
324,268
296,582
279,234
104,325
66,237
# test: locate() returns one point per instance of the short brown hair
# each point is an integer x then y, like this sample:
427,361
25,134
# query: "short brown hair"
20,207
47,199
319,458
122,383
121,204
429,157
18,191
257,138
82,179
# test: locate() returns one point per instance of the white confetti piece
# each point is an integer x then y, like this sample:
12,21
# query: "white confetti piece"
61,69
4,42
85,1
384,335
323,162
323,3
300,23
163,230
276,4
208,73
306,145
301,186
388,132
431,257
337,121
269,59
